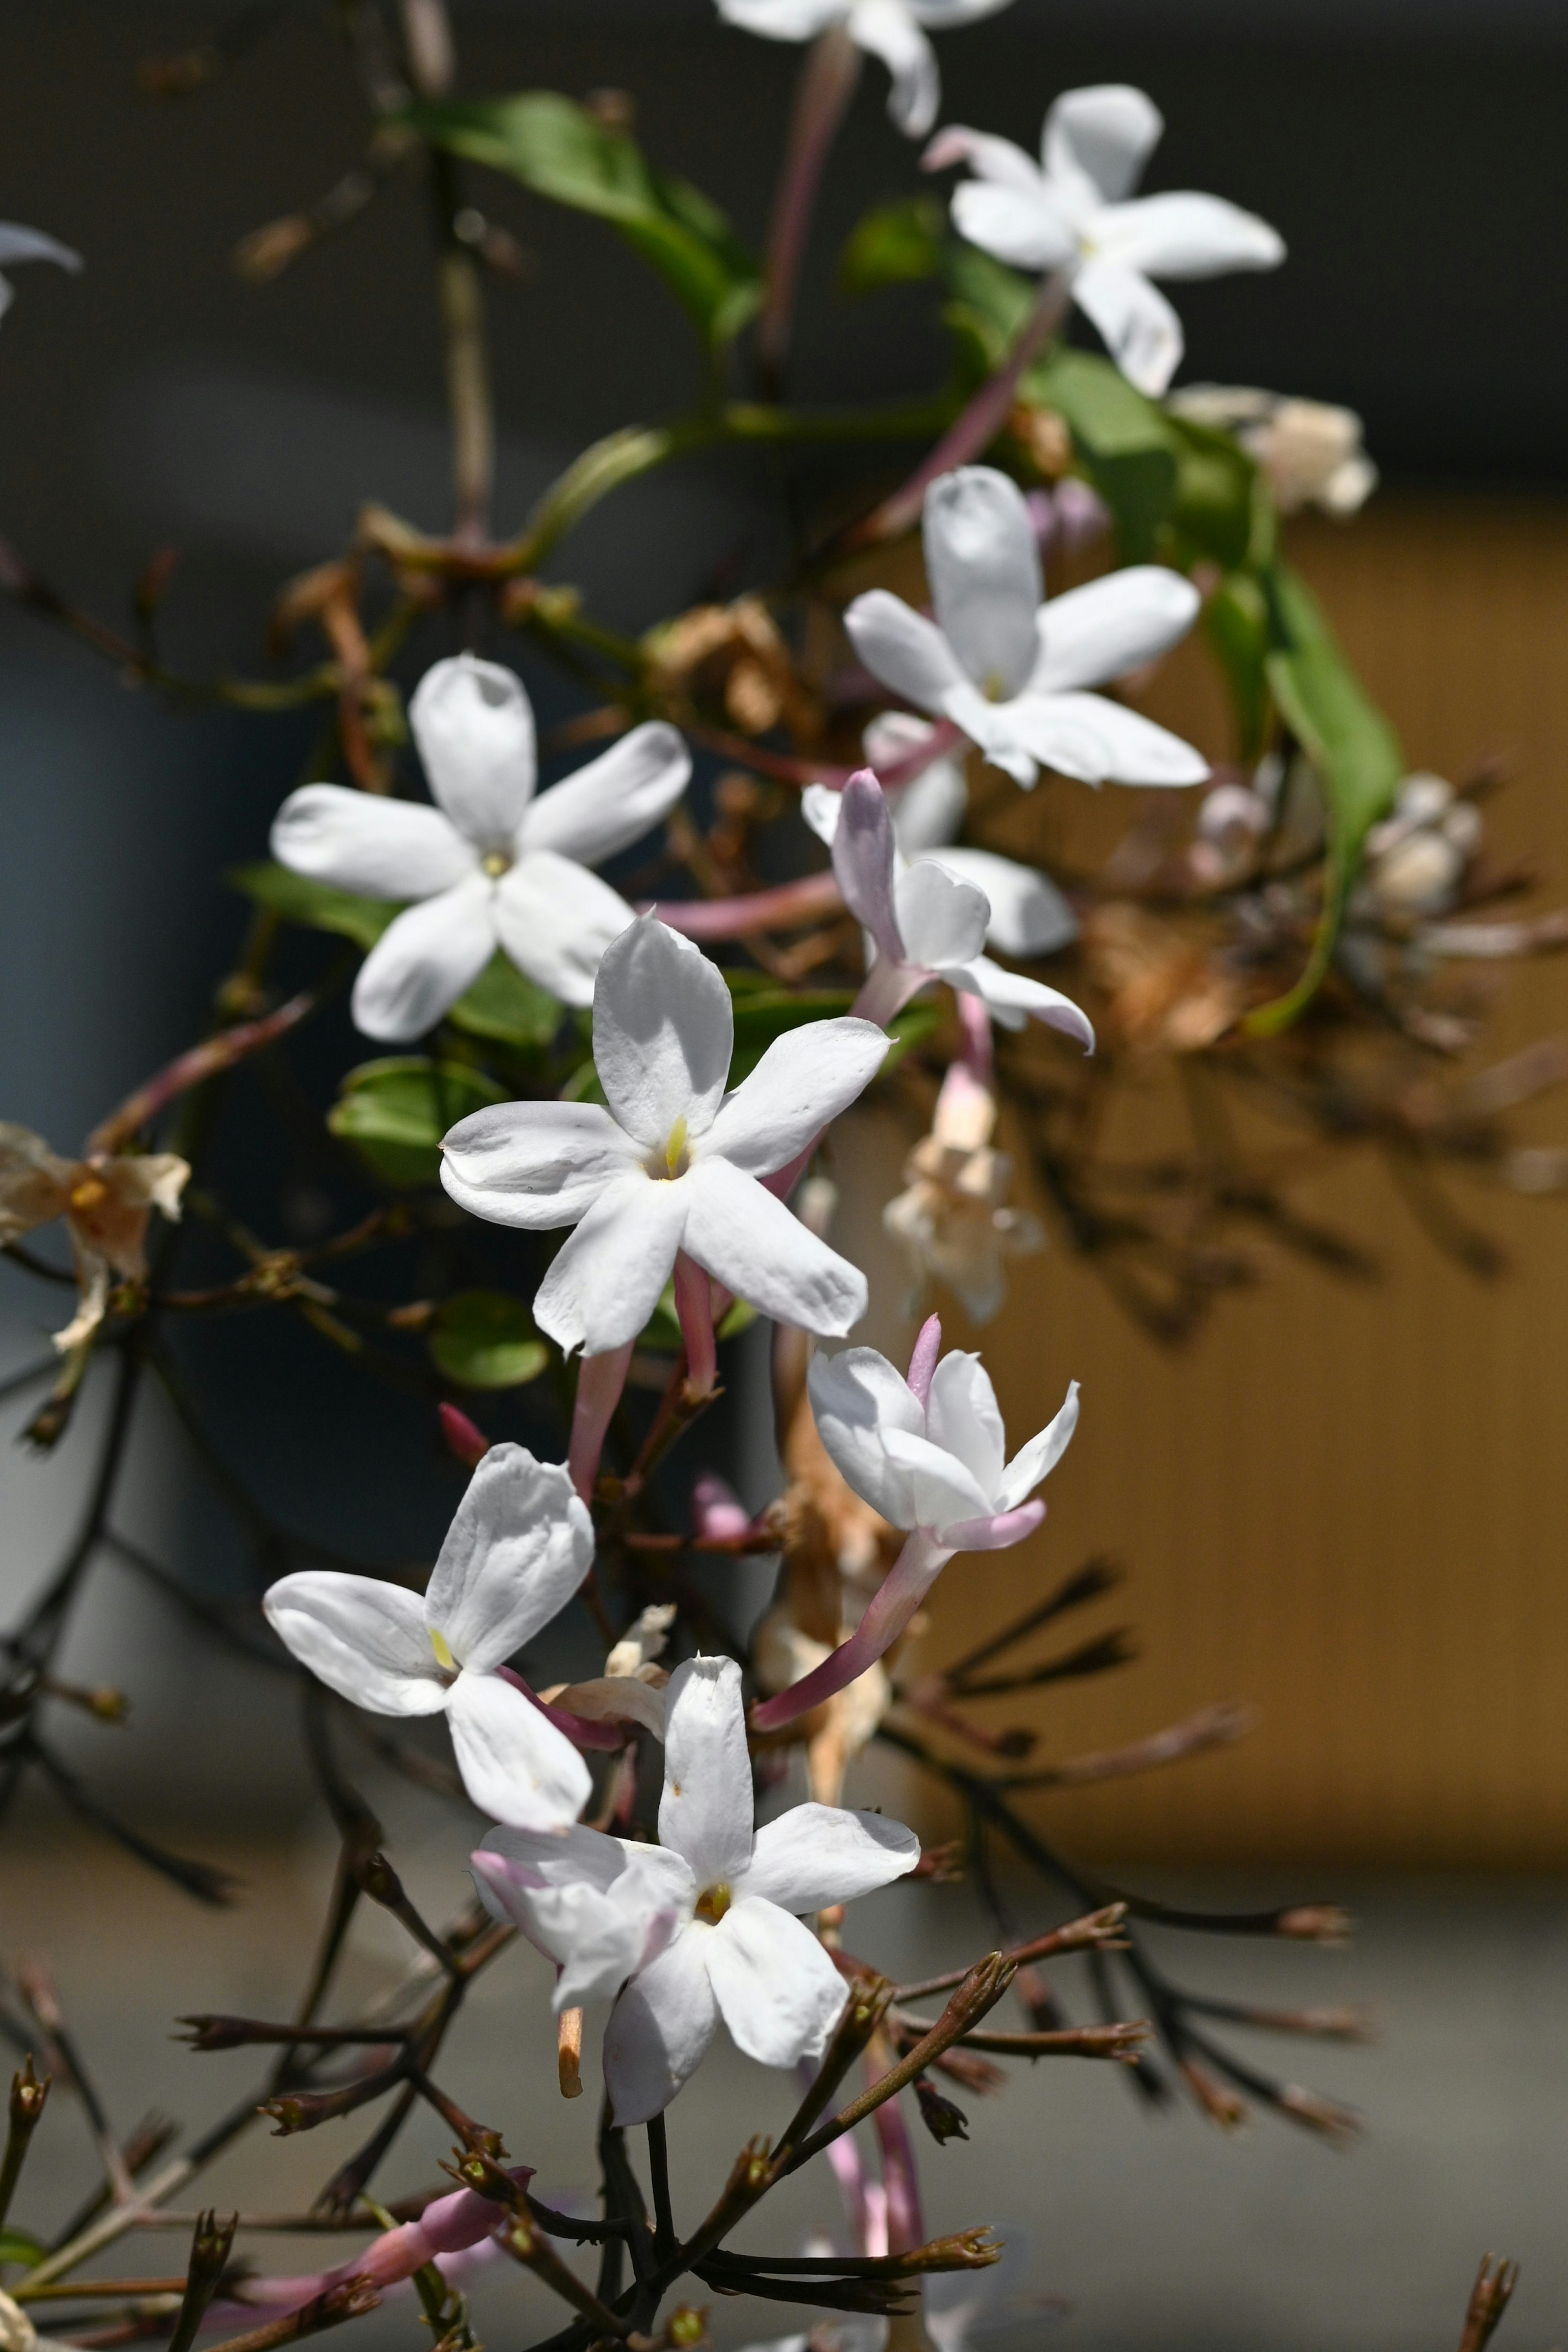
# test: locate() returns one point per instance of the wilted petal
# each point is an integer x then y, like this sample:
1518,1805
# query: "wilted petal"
515,1766
424,961
982,560
614,801
1143,333
903,648
537,1165
519,1547
364,1639
1181,235
804,1080
361,842
889,31
555,921
752,1244
660,2030
662,1032
145,1180
605,1281
1023,227
817,1854
1029,914
475,728
1104,135
35,1182
1111,627
1100,741
705,1811
1040,1457
856,1396
963,1417
942,920
1011,998
944,1489
778,1991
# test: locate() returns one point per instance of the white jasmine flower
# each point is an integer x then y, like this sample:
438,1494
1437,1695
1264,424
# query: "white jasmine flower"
924,922
1009,669
518,1548
19,244
107,1202
892,30
1074,211
1311,452
674,1163
703,1925
490,865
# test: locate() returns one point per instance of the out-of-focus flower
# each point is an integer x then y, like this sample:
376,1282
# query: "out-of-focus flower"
1311,452
1416,858
1166,992
20,244
703,1925
954,1222
17,2333
519,1547
1008,667
1069,516
106,1202
673,1163
630,1688
892,30
490,865
925,922
1074,212
732,655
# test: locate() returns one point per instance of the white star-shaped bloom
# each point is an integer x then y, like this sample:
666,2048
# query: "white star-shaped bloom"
1009,669
925,922
518,1548
673,1163
1074,211
892,30
705,1925
491,865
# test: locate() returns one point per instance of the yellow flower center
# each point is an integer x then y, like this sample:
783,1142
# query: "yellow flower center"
672,1161
90,1193
713,1903
497,863
444,1656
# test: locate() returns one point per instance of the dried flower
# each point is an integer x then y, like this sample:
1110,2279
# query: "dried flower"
732,655
105,1201
954,1222
1310,451
1166,994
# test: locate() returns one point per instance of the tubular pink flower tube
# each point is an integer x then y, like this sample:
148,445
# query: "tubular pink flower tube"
599,1385
448,2226
892,1606
580,1729
695,1311
827,85
905,2224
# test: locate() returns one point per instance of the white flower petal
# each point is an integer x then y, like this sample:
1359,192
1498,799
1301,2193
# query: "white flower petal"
864,861
1111,627
782,20
1040,1457
662,1032
361,842
1181,235
944,1489
601,1914
941,919
903,648
537,1858
537,1165
821,807
889,31
803,1081
929,810
989,157
18,242
515,1766
856,1396
778,1991
424,961
1100,741
943,15
363,1638
660,2030
1012,997
1104,134
605,1281
555,921
751,1242
817,1854
982,560
519,1547
1029,914
1022,227
612,802
1142,332
705,1811
475,728
963,1417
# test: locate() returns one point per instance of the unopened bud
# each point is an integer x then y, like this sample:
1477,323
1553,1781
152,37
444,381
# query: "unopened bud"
464,1437
28,2095
687,2327
941,2117
568,2052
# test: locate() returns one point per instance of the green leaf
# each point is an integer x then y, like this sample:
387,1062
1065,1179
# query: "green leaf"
894,245
559,150
1215,509
1235,621
1125,443
295,899
1358,756
15,2246
503,1005
395,1113
483,1340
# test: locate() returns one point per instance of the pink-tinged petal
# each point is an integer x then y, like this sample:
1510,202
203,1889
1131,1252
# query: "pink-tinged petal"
817,1854
888,29
856,1396
515,1766
922,1359
944,1487
995,1533
1103,136
1040,1457
364,1639
555,921
600,1928
803,1081
475,728
424,961
1025,227
662,1033
589,1738
605,1281
1111,627
963,1417
942,920
863,860
903,648
705,1811
989,157
890,1607
537,1165
614,801
518,1547
1142,332
929,810
1180,234
1030,916
660,2030
375,847
751,1242
778,1991
982,560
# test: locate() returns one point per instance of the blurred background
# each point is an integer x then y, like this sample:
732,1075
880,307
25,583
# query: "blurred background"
1342,1505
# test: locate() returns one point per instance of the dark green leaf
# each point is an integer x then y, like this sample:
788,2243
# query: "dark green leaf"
1236,619
483,1340
15,2246
313,904
1124,443
1214,510
395,1113
559,150
894,245
503,1005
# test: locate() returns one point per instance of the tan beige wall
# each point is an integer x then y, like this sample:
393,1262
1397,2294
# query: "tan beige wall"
1347,1505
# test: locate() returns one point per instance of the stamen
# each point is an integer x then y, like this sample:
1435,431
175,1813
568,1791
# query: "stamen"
444,1656
92,1191
497,863
674,1149
713,1903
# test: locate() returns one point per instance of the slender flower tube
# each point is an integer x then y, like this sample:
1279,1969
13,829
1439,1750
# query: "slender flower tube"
703,1925
492,865
892,30
518,1548
930,1454
1074,212
449,2228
